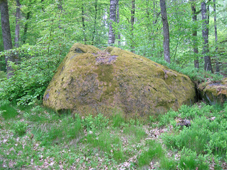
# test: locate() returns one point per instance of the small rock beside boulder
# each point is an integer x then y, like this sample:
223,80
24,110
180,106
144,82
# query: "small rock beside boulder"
214,92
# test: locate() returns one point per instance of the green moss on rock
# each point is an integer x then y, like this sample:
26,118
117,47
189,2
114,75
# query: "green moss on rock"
214,92
91,81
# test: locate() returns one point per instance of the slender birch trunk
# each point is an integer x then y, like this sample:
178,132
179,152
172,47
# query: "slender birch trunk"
165,31
113,4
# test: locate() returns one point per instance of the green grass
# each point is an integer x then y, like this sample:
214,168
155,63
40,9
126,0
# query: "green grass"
107,142
34,136
135,132
59,131
117,119
205,135
168,163
154,151
20,128
189,160
7,111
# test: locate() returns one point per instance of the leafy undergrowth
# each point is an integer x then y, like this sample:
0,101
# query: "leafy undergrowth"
37,138
196,75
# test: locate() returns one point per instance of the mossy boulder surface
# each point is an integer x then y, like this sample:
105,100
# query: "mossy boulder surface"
214,92
91,81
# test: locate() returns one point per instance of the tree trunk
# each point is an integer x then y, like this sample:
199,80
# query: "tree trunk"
148,19
6,35
205,32
113,4
165,31
155,20
154,16
118,20
132,24
42,6
17,30
26,24
216,38
83,23
94,31
60,7
194,34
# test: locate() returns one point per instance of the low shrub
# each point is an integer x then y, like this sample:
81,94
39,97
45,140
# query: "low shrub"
206,135
154,151
31,76
189,160
20,128
107,142
135,132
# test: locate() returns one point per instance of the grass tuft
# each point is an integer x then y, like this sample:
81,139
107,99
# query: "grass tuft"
8,112
189,160
154,151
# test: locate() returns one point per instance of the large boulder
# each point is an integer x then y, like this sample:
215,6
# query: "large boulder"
214,92
91,81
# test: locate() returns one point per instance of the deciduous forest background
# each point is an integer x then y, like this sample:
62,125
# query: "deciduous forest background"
42,33
188,36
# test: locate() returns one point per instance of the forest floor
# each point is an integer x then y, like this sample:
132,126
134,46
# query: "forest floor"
33,137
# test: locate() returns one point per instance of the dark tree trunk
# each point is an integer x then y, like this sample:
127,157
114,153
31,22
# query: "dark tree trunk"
155,19
83,23
154,16
148,14
148,19
17,30
42,6
94,31
132,24
6,35
205,32
118,20
113,4
216,38
26,24
26,27
165,31
60,7
194,34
